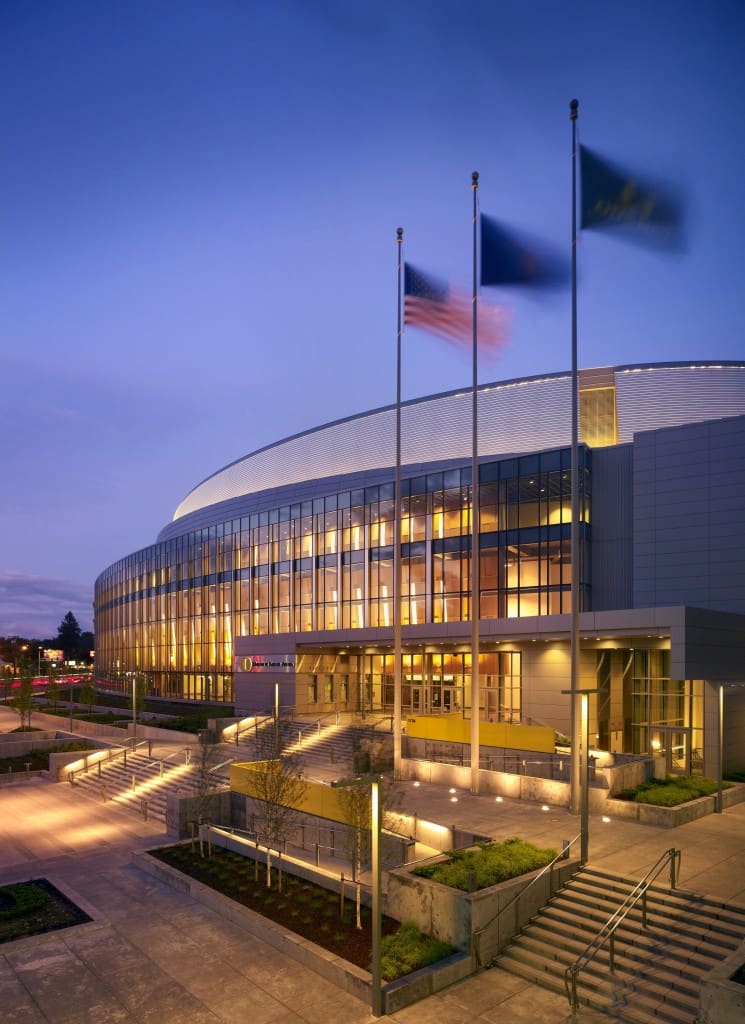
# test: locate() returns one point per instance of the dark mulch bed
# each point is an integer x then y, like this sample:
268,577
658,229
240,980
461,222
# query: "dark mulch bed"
302,907
34,907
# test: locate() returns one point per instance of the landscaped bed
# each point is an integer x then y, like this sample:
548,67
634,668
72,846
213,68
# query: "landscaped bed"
38,760
309,910
672,791
487,864
34,907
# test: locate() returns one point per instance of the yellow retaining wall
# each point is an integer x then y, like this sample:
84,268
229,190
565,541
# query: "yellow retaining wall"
456,729
318,799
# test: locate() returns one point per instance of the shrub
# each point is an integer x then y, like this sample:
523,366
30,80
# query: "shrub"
671,791
408,950
487,865
20,899
676,791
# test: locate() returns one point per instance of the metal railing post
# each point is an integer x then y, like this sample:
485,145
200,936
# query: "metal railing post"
573,1001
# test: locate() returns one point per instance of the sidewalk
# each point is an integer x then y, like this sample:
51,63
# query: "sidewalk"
153,956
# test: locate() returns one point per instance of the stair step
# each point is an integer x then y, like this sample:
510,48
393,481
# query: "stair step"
658,969
628,959
719,933
637,1003
636,947
666,904
565,912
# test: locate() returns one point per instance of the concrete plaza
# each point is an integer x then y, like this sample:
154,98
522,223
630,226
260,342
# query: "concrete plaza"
154,956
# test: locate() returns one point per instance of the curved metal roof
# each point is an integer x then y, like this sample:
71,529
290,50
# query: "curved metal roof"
515,416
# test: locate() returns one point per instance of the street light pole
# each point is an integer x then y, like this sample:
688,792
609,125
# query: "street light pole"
584,768
375,823
377,1008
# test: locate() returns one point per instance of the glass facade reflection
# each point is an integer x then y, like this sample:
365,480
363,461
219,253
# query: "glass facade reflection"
171,611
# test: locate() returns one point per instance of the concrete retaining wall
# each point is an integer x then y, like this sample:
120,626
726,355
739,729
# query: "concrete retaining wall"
468,920
182,810
62,725
9,778
152,732
333,968
630,774
518,787
671,817
59,764
24,742
722,1000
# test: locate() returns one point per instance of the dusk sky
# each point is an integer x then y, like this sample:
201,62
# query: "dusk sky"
198,211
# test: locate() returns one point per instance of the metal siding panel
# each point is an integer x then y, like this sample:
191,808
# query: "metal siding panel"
611,528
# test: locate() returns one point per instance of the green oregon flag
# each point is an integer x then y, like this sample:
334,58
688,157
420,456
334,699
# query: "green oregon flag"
615,198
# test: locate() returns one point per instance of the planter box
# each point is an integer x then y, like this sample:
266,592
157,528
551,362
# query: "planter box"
720,998
330,966
471,921
671,817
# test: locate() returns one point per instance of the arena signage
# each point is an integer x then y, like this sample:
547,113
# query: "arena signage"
268,663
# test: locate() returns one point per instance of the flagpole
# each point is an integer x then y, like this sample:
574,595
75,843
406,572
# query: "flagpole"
397,532
576,780
475,555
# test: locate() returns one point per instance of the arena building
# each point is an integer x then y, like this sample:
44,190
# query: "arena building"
279,569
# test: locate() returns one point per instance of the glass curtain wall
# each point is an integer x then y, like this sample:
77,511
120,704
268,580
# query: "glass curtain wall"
172,610
433,682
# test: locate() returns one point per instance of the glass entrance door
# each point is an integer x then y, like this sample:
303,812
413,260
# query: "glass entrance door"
675,746
419,701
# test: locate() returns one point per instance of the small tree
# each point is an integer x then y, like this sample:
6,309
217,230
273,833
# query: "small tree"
53,687
280,789
139,681
87,693
356,805
22,699
208,752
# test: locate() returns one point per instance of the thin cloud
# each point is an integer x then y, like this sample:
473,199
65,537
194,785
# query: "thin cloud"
34,606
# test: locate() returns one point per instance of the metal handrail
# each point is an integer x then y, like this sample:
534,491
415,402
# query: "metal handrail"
258,719
121,751
516,899
162,760
608,930
380,721
217,767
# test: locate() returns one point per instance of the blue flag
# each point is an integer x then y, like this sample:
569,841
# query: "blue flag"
509,258
618,200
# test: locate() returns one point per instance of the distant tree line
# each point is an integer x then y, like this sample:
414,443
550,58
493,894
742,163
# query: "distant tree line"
19,652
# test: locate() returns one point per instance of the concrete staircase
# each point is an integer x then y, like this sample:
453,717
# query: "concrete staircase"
141,784
658,969
326,751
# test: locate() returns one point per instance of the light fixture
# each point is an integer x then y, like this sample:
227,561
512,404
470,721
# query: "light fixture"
545,807
452,789
498,799
453,799
605,818
416,784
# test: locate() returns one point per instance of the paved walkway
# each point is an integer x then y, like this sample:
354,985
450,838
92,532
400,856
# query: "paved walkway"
153,956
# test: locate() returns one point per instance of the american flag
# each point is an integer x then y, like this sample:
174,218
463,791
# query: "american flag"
448,312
